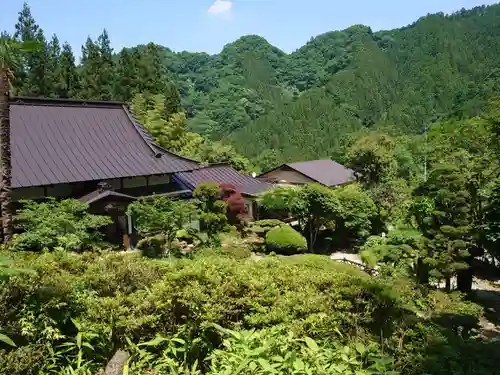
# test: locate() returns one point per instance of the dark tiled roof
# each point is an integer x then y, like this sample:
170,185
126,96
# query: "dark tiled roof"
222,174
63,141
327,172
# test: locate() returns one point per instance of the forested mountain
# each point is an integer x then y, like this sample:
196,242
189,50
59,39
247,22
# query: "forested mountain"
278,107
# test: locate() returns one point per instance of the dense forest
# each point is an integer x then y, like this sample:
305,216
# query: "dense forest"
273,106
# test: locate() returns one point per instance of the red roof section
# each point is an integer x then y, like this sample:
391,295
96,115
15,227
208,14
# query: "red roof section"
63,141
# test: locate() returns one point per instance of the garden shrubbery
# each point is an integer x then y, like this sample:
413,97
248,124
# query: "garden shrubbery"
284,239
64,225
115,301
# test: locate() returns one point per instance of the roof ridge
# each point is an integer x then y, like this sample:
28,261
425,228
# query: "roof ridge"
311,161
135,124
150,142
65,102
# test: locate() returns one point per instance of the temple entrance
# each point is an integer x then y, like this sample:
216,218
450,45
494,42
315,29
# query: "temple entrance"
113,204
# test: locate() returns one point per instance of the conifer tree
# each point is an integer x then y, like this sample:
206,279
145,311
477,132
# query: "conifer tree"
67,81
127,76
106,72
151,69
33,77
90,65
447,227
54,53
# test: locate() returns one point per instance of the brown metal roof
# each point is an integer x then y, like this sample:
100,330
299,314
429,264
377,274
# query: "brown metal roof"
222,174
62,141
326,172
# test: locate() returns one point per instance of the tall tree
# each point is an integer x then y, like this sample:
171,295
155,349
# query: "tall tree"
33,75
172,99
448,225
67,80
54,54
39,83
10,61
90,65
127,76
151,68
106,71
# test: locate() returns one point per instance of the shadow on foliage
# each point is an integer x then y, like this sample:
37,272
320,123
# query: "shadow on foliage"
472,356
465,348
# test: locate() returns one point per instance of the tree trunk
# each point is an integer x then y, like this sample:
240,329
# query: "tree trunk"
464,280
447,284
464,277
422,272
5,161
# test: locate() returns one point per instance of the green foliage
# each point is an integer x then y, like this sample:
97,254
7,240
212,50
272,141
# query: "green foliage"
385,166
169,129
168,355
313,205
275,351
126,297
354,220
97,73
349,210
261,227
212,210
397,254
448,227
372,158
491,224
268,223
55,224
158,219
284,239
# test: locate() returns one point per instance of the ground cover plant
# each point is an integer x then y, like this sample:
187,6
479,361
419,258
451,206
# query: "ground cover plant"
74,311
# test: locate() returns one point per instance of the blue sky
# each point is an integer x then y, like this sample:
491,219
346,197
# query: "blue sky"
207,25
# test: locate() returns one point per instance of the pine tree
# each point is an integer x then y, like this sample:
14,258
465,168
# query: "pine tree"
33,78
26,31
90,65
127,76
67,82
54,53
151,68
448,227
106,72
39,75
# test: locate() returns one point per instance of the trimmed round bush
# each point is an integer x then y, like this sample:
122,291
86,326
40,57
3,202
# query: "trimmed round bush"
285,240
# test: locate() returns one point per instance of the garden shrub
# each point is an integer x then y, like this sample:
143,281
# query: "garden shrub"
285,240
153,247
115,298
54,224
158,219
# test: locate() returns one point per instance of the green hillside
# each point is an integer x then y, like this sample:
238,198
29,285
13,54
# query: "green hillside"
275,106
278,107
439,67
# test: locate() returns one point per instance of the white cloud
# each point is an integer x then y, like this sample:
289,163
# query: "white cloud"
220,7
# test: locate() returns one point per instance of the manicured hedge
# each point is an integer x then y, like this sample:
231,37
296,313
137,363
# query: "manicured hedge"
285,240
